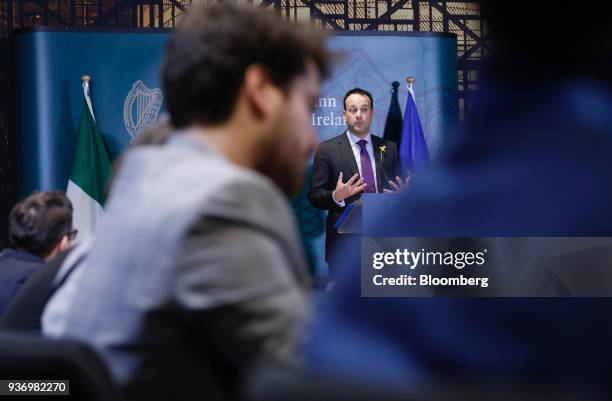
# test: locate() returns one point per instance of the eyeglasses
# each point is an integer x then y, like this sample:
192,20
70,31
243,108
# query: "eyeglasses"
72,234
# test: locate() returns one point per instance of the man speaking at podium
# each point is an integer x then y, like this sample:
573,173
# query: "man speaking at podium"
351,163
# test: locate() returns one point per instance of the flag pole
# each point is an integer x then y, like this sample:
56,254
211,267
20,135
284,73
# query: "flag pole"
410,83
86,78
411,80
413,147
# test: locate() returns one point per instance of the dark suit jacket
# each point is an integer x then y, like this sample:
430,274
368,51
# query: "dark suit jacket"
25,310
334,156
15,268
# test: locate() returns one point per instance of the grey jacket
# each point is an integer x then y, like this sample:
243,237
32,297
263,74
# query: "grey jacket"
196,273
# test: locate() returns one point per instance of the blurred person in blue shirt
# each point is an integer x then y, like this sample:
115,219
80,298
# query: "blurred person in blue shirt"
533,160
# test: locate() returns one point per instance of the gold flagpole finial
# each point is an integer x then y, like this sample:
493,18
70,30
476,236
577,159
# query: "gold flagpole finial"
85,78
410,80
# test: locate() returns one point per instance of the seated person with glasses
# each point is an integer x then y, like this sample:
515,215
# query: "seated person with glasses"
40,228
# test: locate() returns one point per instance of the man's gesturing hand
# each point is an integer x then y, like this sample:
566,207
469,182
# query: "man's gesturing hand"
345,190
398,185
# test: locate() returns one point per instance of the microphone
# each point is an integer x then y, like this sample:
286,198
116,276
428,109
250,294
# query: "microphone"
382,166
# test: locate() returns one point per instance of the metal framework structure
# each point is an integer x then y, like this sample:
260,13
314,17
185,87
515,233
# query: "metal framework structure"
459,17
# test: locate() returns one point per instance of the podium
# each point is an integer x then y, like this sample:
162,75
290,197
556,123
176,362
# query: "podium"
357,220
360,215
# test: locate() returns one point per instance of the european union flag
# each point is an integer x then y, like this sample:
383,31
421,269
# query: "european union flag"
413,148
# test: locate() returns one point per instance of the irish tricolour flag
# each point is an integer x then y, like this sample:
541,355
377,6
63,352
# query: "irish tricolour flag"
90,172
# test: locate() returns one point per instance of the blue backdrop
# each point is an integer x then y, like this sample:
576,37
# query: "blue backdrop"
50,64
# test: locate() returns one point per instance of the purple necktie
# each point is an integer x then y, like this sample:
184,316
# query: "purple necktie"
366,167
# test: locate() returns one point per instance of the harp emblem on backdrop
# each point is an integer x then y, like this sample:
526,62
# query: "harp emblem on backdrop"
141,107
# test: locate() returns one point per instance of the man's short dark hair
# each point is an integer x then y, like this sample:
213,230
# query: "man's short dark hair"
358,91
39,222
209,52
